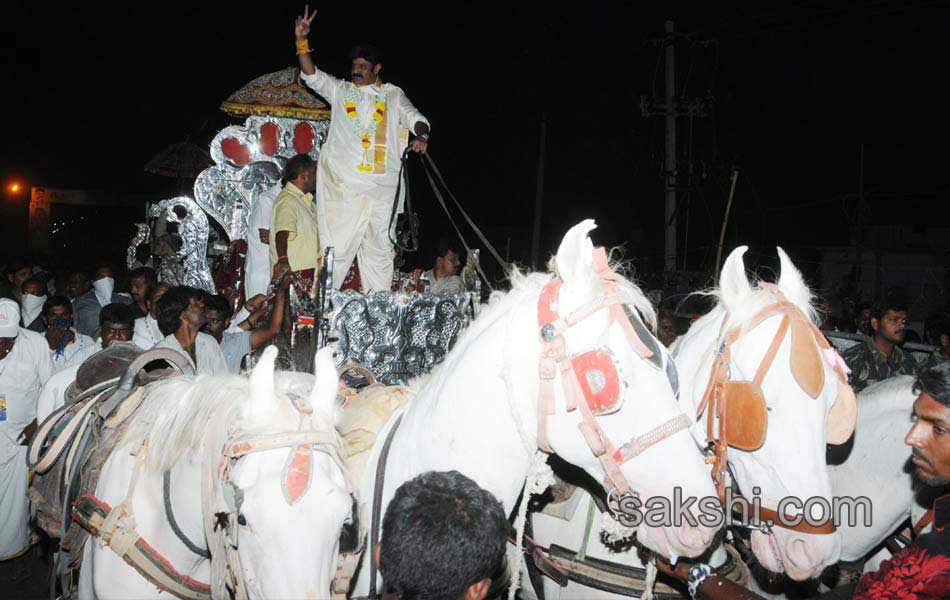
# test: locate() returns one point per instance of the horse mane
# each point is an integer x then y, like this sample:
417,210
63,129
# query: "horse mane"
174,415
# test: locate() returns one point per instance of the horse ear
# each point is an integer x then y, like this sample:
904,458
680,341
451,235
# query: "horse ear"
733,281
262,403
323,396
791,283
575,258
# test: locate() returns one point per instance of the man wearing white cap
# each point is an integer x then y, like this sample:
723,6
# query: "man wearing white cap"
25,365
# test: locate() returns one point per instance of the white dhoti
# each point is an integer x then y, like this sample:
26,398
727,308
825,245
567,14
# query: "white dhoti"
22,373
356,183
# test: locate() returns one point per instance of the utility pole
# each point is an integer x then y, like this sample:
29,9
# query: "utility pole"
669,167
671,107
539,195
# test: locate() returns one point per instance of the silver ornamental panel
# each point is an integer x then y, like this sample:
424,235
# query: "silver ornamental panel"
397,336
182,248
227,191
142,236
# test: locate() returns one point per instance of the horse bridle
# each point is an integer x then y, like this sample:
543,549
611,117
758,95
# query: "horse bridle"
589,380
302,444
716,397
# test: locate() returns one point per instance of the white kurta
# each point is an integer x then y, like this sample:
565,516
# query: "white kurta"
82,348
22,374
211,360
257,274
146,333
53,394
353,207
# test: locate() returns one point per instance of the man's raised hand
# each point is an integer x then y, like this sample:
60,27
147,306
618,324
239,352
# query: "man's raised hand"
302,24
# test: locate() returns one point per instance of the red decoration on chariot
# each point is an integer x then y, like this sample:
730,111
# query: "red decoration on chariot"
303,138
352,280
270,135
235,151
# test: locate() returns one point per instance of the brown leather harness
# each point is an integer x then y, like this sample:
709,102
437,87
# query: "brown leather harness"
738,416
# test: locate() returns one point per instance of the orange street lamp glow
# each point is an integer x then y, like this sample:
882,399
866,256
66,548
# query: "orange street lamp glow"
14,187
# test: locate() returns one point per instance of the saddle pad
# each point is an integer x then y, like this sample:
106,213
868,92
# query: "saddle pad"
364,414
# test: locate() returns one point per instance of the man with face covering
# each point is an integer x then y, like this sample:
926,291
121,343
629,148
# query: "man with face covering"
32,297
24,368
86,307
115,325
147,333
181,315
67,346
358,170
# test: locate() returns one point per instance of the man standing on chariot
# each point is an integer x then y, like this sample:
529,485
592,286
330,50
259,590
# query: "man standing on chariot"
358,170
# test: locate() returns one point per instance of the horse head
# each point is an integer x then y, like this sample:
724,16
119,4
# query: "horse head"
607,400
773,393
295,498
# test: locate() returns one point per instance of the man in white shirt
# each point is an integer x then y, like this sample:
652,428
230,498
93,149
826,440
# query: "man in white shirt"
257,271
181,315
115,325
359,163
443,277
24,368
147,333
237,342
67,346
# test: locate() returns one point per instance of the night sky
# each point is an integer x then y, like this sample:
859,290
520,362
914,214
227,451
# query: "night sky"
93,90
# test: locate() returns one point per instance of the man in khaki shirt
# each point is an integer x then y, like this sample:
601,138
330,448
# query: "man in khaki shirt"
294,242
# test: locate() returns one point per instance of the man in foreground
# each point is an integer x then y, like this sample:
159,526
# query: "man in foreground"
443,537
921,570
359,164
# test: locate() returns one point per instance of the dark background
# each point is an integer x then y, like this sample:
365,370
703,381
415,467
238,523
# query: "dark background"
93,90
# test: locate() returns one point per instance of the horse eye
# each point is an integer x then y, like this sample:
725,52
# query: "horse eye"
242,520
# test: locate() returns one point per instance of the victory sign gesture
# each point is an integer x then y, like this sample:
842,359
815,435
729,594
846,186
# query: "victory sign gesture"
302,24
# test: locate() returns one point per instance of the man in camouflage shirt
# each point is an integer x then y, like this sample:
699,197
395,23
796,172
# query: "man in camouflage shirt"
881,357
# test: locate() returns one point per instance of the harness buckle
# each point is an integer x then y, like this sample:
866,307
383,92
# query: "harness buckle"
548,332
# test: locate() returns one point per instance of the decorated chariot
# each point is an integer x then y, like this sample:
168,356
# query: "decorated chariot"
201,241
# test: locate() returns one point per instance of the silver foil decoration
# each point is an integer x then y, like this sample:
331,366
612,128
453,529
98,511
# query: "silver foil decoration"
142,236
397,336
228,190
180,241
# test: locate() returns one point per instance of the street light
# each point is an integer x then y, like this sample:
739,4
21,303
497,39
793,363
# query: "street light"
14,187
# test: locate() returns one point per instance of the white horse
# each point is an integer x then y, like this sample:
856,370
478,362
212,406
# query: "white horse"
478,412
791,461
267,443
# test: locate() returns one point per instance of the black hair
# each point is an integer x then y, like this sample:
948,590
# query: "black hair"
31,280
174,302
57,300
935,382
15,264
441,534
367,52
220,305
447,243
880,309
295,166
117,313
145,272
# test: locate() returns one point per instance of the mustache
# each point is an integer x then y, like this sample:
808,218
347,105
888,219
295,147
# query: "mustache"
921,457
